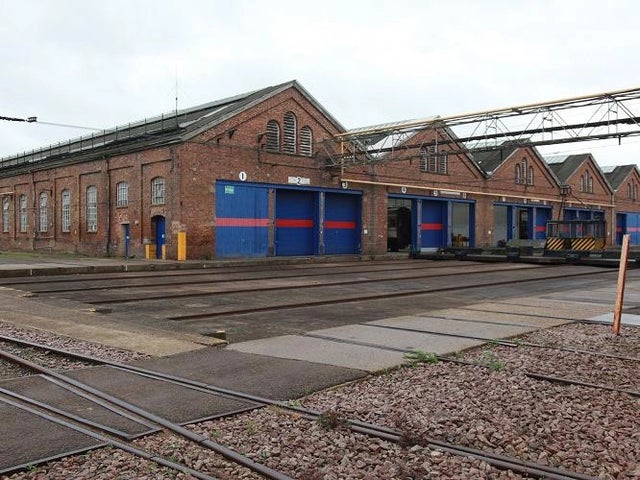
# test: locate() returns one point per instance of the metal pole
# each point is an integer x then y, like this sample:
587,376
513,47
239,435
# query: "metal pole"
622,276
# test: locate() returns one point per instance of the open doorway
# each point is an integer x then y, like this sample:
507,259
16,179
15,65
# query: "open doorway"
399,224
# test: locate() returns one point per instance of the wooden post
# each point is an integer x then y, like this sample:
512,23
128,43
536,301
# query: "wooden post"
622,277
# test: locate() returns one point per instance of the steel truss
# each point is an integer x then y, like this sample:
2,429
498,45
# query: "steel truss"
591,117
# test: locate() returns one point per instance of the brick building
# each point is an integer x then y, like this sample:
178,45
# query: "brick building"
625,182
248,176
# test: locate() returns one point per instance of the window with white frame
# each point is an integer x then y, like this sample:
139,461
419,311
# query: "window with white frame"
530,176
290,127
306,141
524,173
43,221
432,161
586,182
273,136
92,209
23,213
6,218
65,211
443,163
158,191
122,194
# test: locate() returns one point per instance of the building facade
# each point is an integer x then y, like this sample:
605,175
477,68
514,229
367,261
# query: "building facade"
248,176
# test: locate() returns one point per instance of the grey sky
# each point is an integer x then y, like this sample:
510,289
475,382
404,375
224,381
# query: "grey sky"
100,64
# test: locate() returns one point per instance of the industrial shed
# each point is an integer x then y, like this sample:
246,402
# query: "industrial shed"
252,176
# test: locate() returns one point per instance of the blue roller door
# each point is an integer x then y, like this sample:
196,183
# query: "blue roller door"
621,227
341,223
543,215
296,222
242,220
433,225
633,228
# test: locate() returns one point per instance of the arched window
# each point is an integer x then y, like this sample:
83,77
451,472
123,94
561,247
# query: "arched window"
65,210
122,194
92,209
6,214
629,190
290,127
589,183
42,226
583,184
518,173
530,176
306,141
23,213
157,191
273,136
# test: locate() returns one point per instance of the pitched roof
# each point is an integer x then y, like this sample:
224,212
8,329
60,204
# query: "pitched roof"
566,165
490,160
617,174
165,129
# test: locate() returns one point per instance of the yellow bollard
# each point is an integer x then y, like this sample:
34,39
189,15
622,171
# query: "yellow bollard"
150,251
182,245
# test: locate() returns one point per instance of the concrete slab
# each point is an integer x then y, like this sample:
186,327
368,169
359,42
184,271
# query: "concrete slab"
37,388
499,317
441,325
267,376
47,439
626,319
322,351
397,339
170,401
75,320
552,311
547,302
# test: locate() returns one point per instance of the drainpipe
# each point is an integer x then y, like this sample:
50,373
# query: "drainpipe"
108,249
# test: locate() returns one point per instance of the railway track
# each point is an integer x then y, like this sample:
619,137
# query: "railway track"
214,275
499,461
398,294
361,294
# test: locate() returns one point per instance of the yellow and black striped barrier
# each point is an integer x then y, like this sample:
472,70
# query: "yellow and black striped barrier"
556,244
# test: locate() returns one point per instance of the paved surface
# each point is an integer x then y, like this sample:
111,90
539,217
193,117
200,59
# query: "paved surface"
282,367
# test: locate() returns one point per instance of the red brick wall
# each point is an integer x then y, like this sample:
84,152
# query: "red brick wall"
191,169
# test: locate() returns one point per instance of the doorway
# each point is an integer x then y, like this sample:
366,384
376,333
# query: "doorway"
523,224
126,235
399,224
158,229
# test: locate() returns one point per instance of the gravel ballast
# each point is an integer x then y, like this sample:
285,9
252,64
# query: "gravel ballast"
493,407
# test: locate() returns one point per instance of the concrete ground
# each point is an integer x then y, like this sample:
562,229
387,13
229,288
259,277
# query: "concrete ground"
283,367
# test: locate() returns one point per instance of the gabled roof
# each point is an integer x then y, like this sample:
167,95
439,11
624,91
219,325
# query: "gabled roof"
165,129
566,165
617,174
489,161
492,160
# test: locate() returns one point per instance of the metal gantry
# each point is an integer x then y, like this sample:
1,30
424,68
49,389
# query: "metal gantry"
600,116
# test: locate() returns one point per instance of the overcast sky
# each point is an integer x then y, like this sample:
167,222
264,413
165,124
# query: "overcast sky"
104,63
